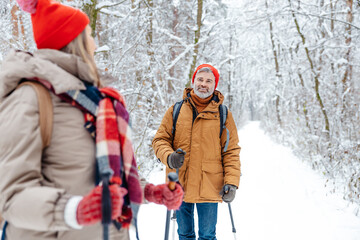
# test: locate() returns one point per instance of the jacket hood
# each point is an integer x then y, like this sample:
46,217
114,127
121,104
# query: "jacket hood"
217,99
62,70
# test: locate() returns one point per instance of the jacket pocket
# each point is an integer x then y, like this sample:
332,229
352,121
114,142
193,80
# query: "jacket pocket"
212,180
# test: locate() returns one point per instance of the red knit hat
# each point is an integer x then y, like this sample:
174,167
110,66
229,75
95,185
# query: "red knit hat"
214,71
54,24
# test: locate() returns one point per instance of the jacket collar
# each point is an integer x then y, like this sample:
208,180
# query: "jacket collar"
218,98
62,70
213,106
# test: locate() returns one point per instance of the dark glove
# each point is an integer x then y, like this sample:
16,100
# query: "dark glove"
176,159
228,193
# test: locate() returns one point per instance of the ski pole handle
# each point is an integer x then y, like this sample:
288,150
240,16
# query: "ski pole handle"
226,189
180,151
173,178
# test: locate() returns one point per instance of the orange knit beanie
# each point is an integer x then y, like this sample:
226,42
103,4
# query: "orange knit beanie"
54,24
214,71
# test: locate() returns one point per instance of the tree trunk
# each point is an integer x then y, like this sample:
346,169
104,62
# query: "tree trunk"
92,12
173,51
323,34
197,38
230,73
332,26
149,34
18,30
316,78
348,71
304,106
277,68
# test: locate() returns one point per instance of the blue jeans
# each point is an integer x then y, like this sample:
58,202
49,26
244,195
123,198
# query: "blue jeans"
207,216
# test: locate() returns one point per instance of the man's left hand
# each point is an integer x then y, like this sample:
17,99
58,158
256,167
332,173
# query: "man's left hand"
228,193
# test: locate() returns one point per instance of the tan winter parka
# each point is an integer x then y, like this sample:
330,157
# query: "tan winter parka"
35,186
206,166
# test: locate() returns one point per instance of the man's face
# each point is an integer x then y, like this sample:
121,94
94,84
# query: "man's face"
204,84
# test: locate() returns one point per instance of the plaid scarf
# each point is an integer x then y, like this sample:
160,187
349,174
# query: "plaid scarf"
107,121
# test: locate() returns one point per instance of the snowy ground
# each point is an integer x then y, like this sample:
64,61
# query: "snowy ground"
279,198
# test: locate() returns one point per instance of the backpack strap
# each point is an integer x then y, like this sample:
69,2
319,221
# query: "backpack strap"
176,111
45,110
223,110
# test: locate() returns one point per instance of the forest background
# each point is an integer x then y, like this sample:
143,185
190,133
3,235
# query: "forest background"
293,65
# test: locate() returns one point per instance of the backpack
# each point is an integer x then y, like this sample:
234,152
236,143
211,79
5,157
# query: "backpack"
223,110
45,120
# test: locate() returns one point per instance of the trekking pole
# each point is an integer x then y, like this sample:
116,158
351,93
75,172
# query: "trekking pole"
173,218
231,215
105,172
173,178
106,206
232,221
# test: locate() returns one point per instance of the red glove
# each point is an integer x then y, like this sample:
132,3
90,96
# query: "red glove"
161,194
89,209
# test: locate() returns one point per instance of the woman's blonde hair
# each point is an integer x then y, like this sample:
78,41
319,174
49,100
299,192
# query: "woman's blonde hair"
80,47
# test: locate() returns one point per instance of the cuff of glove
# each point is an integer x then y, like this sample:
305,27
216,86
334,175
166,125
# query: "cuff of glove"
169,162
148,192
70,212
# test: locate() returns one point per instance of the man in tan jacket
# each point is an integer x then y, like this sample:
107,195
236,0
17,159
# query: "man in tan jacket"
209,172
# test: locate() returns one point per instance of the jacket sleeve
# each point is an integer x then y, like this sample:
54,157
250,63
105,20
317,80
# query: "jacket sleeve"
162,142
24,202
231,158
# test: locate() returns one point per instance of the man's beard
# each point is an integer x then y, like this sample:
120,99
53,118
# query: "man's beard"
201,94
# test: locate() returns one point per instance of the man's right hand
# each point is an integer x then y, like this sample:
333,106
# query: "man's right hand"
176,159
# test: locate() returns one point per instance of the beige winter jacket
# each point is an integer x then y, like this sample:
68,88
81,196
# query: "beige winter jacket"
206,166
35,186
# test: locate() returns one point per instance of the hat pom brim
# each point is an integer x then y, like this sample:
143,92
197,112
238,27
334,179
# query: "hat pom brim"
28,5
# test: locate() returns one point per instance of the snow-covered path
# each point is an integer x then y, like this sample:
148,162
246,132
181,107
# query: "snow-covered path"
282,198
279,198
